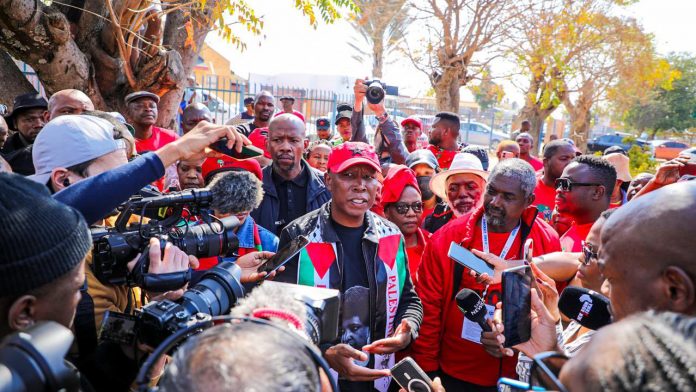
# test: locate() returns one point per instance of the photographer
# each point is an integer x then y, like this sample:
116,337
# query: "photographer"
388,140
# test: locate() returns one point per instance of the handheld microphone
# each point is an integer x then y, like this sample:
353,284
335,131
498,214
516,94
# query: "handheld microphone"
473,308
587,307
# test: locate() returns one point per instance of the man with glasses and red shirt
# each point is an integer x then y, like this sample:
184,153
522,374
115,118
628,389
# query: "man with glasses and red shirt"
583,192
402,203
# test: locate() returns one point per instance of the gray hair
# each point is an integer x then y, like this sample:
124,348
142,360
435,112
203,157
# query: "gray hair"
263,93
233,356
517,169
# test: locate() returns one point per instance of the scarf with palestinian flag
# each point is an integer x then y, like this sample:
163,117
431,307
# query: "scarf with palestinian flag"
319,267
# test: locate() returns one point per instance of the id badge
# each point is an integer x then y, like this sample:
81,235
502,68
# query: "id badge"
471,331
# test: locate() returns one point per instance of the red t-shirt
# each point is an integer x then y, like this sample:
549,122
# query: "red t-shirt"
444,157
160,137
460,357
571,240
536,163
544,199
416,252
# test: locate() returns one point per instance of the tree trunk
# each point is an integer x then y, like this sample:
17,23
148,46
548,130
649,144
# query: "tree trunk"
534,111
13,82
377,58
447,90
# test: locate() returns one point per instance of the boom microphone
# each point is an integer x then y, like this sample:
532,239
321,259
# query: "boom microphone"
473,308
587,307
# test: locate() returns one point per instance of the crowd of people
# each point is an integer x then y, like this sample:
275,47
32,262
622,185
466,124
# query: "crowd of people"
381,216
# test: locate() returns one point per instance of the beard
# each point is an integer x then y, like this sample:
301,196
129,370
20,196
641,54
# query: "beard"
434,140
495,216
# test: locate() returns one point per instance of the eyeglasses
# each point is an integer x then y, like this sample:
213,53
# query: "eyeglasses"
545,370
566,185
588,252
402,208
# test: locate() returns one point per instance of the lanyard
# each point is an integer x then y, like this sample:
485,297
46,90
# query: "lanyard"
508,243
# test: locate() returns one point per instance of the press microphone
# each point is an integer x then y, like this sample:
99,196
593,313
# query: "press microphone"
473,308
587,307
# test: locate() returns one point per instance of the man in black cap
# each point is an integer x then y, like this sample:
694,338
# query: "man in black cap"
343,124
323,128
142,113
27,120
246,116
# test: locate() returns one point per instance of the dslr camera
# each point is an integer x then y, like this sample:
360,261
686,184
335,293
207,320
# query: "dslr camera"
167,213
376,90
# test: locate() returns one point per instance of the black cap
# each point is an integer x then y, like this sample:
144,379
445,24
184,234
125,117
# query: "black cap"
25,102
141,94
323,123
449,116
615,149
344,111
248,101
287,98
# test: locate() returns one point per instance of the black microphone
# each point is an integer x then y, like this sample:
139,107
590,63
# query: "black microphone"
473,308
587,307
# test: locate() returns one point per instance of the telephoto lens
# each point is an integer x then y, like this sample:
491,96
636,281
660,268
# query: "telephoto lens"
206,240
375,92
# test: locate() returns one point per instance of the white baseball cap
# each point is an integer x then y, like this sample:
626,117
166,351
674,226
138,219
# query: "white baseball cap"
70,140
463,162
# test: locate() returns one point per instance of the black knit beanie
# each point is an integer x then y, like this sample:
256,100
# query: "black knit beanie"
40,238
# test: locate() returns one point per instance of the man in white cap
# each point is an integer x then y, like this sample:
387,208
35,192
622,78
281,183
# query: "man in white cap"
623,175
460,187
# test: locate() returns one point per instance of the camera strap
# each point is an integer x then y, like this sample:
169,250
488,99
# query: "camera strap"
156,282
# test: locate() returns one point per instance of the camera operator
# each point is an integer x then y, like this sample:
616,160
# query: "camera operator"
45,244
388,140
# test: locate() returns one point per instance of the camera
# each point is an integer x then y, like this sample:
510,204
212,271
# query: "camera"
214,295
115,247
376,90
34,360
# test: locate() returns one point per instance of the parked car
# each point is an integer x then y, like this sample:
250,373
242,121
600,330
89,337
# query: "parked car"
477,133
667,149
603,142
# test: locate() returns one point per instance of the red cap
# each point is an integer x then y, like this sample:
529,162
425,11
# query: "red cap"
398,178
295,112
413,120
258,139
223,163
353,153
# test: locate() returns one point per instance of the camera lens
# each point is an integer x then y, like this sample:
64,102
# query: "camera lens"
218,289
375,93
215,239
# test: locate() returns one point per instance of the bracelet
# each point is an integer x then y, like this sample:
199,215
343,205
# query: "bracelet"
383,117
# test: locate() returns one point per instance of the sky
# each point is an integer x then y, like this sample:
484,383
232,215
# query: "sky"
290,45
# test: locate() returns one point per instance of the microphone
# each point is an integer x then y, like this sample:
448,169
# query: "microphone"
587,307
473,308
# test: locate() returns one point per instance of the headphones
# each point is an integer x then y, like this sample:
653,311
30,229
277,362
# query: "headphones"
66,182
142,381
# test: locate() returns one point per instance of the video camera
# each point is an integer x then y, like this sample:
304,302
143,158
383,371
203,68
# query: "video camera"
34,360
115,247
376,90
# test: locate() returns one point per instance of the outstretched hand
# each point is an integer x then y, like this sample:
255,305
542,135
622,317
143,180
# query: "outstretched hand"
341,359
397,342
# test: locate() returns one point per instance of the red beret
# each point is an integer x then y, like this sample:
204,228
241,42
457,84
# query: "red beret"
223,163
398,178
258,139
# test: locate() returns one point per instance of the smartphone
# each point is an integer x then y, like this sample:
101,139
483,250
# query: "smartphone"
284,255
464,257
411,377
515,385
247,151
517,304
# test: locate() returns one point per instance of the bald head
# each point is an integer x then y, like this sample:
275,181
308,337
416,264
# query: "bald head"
286,121
648,252
193,114
69,101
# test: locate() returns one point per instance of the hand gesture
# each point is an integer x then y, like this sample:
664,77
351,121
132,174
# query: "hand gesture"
499,265
340,357
397,342
668,172
200,137
543,329
250,262
547,287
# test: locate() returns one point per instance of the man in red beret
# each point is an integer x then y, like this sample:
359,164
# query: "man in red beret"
402,203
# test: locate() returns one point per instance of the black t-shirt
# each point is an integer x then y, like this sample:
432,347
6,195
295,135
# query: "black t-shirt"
292,195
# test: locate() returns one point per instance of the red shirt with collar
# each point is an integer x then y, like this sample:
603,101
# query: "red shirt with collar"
571,240
444,157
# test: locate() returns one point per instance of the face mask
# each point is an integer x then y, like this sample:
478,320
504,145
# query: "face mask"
424,186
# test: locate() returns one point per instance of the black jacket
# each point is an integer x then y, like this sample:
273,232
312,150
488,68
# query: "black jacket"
266,215
17,152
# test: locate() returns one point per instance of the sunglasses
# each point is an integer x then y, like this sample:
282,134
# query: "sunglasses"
566,185
545,370
402,208
589,253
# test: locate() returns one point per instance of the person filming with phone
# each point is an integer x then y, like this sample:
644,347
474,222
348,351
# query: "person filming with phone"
448,343
364,256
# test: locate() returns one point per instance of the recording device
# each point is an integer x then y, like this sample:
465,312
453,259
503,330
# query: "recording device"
517,305
376,90
214,295
316,307
34,360
411,377
464,257
284,255
473,308
587,307
115,247
247,151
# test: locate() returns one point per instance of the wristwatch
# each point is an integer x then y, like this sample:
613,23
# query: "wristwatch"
383,117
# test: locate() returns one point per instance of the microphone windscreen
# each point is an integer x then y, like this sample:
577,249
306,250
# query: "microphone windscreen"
471,305
587,307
